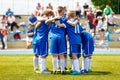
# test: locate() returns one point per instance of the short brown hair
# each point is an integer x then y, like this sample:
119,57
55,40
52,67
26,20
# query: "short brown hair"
48,12
60,9
71,13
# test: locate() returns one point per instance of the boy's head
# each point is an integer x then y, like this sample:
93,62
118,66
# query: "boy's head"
107,6
103,18
48,13
71,14
32,15
60,10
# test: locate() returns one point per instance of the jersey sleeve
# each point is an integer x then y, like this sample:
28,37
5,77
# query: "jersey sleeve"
64,20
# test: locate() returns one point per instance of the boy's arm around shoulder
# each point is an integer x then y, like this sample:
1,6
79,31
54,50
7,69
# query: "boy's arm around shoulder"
73,23
59,24
51,19
39,22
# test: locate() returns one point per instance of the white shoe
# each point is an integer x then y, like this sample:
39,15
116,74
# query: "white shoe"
45,72
5,47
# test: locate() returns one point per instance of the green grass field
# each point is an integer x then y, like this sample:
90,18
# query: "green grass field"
20,67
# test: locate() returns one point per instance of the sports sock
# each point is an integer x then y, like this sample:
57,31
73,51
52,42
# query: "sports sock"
54,62
83,63
65,62
87,63
90,63
58,63
76,65
42,64
71,62
62,64
35,62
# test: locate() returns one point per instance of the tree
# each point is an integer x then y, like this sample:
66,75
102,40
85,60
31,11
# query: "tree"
115,4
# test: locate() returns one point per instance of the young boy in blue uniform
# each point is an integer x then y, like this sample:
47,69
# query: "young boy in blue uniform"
74,41
87,49
40,43
57,41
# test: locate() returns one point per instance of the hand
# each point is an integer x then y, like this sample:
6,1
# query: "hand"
57,23
58,17
77,18
77,21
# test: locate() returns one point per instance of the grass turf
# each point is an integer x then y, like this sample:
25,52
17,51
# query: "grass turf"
20,67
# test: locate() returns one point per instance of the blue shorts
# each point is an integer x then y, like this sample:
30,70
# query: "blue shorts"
88,48
58,45
75,49
78,56
35,48
41,48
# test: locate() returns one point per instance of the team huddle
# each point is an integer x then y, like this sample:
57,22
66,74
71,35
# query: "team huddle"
62,28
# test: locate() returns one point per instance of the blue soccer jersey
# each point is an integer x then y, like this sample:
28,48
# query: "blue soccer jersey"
41,39
87,43
74,38
78,28
57,35
42,32
56,30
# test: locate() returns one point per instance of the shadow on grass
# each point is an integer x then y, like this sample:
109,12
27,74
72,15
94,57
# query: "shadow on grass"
91,73
99,73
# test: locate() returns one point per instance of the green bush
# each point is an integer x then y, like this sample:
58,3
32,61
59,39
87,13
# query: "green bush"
115,4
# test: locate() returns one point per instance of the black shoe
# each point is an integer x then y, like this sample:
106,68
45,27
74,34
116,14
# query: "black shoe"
63,72
65,68
54,72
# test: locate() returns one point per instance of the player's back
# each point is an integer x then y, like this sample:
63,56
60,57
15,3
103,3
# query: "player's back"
86,35
56,30
87,40
74,37
41,33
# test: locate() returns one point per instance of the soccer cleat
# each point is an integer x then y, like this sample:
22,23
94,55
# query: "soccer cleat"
37,71
75,73
45,72
58,70
71,71
83,71
55,72
66,69
63,72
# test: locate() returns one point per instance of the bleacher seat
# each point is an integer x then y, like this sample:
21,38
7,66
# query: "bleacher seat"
97,41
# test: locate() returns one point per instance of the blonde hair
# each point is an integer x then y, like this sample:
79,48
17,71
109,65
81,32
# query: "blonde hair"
71,13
